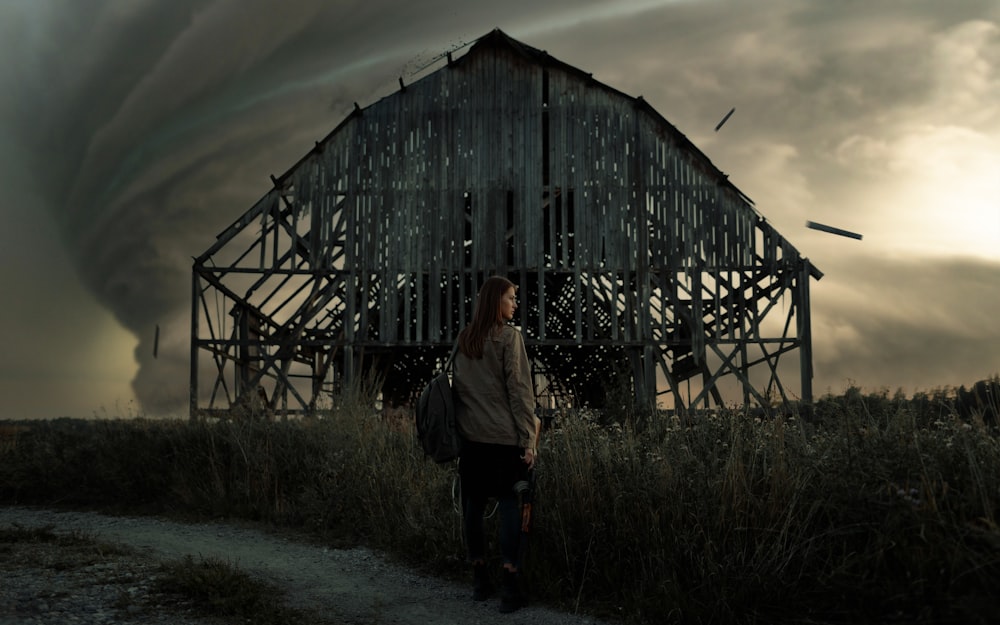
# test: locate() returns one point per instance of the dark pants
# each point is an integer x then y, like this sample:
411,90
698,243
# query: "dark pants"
489,470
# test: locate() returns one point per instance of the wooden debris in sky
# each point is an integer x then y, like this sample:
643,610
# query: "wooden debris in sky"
725,119
832,230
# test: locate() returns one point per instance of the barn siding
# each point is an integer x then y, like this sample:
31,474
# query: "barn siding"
641,204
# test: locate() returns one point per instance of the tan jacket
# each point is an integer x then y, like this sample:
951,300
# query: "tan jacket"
496,400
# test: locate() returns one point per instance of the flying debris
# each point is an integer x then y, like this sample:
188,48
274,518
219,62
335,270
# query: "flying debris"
725,119
156,341
832,230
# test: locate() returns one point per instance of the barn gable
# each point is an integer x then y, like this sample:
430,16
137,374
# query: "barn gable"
633,253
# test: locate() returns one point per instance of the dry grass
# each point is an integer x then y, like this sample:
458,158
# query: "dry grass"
876,509
219,588
136,584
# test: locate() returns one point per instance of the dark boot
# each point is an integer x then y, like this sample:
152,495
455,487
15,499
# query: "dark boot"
482,588
512,598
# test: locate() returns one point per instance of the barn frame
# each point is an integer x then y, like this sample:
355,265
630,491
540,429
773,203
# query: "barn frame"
639,264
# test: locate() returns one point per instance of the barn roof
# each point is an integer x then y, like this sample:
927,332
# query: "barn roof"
498,39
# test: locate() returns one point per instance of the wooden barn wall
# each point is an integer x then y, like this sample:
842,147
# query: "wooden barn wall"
444,182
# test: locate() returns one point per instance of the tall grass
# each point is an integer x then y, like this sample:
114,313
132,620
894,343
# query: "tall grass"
875,509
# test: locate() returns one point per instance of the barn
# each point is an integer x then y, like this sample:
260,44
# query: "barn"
640,266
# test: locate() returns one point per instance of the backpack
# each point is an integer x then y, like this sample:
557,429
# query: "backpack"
436,428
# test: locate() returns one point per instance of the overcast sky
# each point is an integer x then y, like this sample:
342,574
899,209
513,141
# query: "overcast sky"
134,131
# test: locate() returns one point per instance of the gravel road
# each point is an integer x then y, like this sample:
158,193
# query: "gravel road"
353,585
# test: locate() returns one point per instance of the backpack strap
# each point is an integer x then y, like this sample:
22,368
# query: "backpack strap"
451,359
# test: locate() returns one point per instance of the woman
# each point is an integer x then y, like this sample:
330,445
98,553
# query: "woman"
495,413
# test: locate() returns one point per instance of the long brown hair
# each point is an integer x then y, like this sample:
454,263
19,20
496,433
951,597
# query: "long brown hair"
486,316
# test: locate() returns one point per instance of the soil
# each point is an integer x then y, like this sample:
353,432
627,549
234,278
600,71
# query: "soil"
355,585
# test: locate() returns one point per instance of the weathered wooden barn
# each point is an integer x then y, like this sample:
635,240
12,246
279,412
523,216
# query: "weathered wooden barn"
639,264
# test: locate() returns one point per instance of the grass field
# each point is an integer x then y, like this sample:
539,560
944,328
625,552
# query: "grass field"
874,509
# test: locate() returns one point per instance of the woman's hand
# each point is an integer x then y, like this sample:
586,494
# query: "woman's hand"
529,457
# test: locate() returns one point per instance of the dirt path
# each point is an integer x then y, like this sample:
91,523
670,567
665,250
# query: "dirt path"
354,585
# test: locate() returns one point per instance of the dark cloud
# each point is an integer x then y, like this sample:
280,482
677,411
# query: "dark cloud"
143,129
